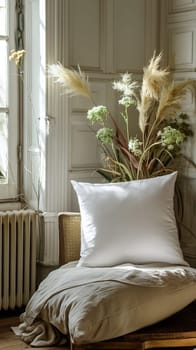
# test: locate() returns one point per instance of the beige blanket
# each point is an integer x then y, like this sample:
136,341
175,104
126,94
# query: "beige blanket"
74,301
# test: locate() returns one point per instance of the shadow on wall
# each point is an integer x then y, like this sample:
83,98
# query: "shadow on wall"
188,227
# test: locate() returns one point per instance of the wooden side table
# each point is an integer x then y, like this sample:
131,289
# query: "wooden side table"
176,331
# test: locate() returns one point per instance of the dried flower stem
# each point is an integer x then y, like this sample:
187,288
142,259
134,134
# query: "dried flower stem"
158,101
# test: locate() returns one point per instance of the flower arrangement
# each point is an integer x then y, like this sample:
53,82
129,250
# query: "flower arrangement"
163,128
18,57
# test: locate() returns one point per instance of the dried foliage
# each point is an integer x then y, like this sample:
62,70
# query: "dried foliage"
74,82
163,126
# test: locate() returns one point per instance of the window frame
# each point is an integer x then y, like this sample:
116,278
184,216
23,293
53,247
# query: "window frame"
9,190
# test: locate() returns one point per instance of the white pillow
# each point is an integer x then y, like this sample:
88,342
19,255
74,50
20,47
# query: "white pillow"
128,222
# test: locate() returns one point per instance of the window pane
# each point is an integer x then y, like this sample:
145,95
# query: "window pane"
3,74
3,147
3,17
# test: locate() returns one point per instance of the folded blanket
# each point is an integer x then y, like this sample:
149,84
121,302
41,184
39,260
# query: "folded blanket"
57,304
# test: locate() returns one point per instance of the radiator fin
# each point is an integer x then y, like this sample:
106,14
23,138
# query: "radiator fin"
17,258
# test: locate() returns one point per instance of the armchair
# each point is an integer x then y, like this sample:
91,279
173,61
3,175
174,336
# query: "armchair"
178,330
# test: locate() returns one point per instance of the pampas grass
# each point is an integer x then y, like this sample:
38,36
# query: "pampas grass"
161,98
74,82
158,100
154,78
171,98
144,107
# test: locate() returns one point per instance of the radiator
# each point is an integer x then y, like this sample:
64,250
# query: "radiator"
17,258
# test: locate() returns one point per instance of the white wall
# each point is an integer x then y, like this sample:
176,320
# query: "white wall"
106,38
178,39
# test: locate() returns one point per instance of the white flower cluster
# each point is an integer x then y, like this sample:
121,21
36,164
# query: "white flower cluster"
97,114
127,87
171,137
135,146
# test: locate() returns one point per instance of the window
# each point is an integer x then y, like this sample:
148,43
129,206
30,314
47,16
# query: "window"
8,103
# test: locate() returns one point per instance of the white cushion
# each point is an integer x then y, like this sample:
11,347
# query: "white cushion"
121,309
128,222
102,309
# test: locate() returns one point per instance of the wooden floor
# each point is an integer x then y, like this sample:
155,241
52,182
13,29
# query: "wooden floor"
9,341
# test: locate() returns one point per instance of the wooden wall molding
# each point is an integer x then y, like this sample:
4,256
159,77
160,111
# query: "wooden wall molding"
152,28
181,5
58,108
118,39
